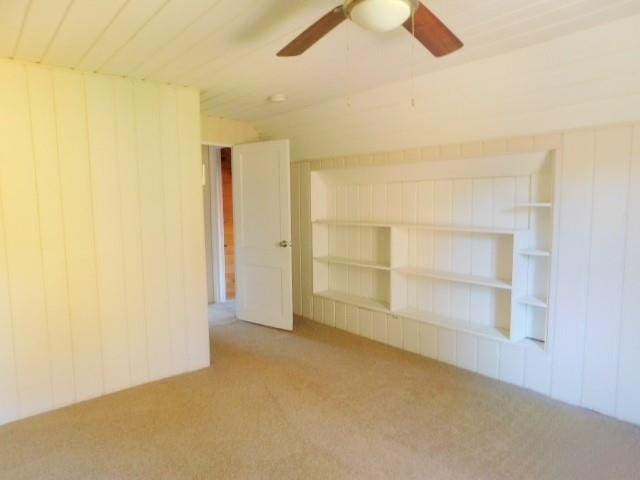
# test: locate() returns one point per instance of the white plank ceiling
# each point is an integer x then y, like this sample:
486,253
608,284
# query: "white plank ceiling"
227,47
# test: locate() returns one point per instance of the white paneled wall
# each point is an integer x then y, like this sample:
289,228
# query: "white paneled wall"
102,270
594,333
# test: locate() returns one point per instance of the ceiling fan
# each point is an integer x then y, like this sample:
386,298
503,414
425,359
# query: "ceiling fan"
381,16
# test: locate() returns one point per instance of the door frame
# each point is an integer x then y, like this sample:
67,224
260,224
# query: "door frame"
213,175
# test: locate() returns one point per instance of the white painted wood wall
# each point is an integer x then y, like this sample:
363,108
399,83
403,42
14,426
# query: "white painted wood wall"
594,335
102,269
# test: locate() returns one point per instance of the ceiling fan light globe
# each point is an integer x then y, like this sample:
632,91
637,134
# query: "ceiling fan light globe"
380,15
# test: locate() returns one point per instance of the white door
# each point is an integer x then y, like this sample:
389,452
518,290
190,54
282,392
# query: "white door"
262,223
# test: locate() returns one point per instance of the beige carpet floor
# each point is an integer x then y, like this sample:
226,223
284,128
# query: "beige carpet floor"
319,403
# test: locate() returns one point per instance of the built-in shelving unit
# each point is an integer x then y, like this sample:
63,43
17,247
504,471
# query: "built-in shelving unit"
487,275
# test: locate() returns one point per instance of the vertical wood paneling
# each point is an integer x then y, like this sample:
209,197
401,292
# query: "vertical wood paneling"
351,316
461,247
447,348
22,237
170,153
154,250
504,195
365,323
522,195
488,358
131,231
305,236
77,201
428,340
328,313
628,391
379,202
537,375
573,252
318,307
197,330
410,335
511,364
52,238
467,351
442,243
101,124
425,243
9,405
295,239
394,331
606,266
482,249
394,202
380,327
340,316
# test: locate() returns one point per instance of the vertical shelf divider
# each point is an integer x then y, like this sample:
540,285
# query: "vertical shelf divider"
518,325
398,249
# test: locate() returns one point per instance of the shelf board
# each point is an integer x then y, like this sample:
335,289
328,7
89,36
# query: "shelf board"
533,302
423,226
364,302
534,205
455,277
494,333
532,252
355,263
353,223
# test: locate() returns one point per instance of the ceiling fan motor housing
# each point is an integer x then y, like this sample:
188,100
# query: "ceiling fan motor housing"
379,15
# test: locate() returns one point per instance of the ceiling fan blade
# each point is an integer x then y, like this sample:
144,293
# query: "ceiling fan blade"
315,32
432,33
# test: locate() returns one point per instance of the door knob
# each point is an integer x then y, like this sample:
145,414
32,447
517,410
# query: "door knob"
285,244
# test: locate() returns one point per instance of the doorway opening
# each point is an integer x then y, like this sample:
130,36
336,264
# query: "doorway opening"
219,233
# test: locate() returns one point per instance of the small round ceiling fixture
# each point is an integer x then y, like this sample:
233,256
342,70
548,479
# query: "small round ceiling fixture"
379,15
277,98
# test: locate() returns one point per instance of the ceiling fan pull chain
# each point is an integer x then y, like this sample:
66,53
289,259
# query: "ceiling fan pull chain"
413,66
347,60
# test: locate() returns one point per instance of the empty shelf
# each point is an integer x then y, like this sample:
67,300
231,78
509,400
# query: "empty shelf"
364,302
534,205
423,226
455,277
533,301
495,333
355,263
353,223
531,252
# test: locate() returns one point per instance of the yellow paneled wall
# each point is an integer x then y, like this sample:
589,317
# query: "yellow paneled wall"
102,269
